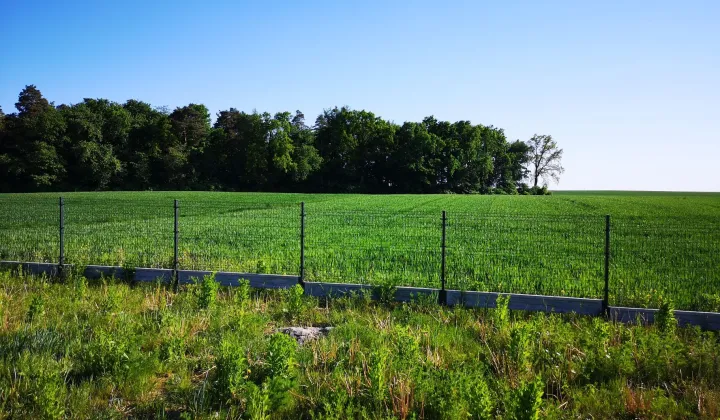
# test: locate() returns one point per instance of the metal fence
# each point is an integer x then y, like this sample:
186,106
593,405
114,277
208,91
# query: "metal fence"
624,260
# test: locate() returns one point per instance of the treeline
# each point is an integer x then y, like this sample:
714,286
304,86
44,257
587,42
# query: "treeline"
102,145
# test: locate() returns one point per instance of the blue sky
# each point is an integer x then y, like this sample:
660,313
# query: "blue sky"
630,89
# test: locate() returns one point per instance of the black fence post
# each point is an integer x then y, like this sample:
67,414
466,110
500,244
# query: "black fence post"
176,235
61,259
302,244
443,292
606,297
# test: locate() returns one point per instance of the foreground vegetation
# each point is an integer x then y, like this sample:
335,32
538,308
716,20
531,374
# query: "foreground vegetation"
661,244
109,349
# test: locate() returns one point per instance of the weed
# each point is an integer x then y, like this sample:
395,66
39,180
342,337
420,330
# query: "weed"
207,292
242,292
37,307
377,372
258,404
519,349
232,370
281,371
294,301
525,401
501,314
665,317
386,292
80,285
33,387
147,351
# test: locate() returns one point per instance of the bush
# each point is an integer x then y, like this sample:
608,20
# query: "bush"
539,190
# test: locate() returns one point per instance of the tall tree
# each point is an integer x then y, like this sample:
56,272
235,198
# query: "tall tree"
545,158
148,159
98,144
416,160
191,124
305,156
89,144
30,158
191,128
355,147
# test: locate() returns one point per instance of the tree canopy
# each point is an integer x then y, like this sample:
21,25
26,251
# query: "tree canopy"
103,145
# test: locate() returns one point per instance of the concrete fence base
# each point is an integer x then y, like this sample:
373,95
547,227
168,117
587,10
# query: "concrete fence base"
524,302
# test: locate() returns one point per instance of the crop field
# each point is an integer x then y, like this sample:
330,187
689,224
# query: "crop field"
661,244
107,349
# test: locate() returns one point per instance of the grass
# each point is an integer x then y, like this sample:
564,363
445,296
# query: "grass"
662,244
106,349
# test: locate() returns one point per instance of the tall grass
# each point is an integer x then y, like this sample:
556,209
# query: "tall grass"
106,349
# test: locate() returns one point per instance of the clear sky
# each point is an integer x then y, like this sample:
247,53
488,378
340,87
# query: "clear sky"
630,89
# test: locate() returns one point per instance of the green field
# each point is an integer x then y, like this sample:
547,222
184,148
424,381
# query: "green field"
106,349
661,243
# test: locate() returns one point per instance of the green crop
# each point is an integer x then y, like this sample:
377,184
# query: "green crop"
663,245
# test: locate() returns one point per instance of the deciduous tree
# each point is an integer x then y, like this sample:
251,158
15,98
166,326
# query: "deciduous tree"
545,159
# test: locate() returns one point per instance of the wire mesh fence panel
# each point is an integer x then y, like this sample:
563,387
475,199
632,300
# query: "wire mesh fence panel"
136,233
670,258
402,249
555,255
29,228
240,237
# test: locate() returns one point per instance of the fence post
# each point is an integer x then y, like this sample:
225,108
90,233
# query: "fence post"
443,292
61,259
302,244
176,235
606,297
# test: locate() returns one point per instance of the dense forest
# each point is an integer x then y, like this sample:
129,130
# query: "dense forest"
102,145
